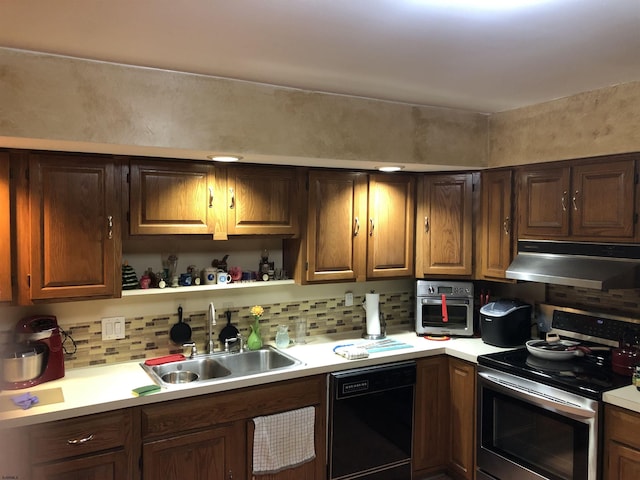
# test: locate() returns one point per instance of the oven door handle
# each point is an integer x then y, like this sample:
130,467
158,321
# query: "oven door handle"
536,398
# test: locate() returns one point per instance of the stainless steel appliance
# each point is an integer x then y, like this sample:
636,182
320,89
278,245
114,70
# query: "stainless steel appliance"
371,422
444,308
600,266
542,418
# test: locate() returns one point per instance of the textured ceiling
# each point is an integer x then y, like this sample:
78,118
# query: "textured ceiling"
429,52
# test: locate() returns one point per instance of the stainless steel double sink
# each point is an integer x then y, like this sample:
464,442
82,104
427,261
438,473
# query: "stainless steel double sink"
223,365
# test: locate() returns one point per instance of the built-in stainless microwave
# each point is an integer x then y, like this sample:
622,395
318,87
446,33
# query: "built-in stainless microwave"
444,308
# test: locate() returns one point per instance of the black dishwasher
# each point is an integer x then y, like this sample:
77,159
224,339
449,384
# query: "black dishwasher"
371,422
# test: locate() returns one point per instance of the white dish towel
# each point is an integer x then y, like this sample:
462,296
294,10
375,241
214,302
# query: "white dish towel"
283,440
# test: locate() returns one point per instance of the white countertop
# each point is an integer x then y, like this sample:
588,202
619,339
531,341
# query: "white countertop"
103,388
626,397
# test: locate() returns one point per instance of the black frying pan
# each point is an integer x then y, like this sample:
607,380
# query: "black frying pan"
229,331
181,332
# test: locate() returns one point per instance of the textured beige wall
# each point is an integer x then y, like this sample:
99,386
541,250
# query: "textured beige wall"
589,124
57,102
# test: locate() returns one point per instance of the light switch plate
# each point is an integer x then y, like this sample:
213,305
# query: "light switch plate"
113,328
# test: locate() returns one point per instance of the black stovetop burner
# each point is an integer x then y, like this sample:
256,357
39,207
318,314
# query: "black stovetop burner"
589,376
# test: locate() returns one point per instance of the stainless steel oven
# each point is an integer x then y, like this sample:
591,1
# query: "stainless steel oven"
444,308
531,431
540,417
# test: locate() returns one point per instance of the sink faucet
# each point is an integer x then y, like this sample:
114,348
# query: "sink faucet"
194,348
237,339
211,320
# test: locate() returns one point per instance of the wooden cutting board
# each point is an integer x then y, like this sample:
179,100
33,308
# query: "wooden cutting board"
45,397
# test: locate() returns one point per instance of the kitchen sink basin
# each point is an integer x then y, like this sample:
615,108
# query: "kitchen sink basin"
208,368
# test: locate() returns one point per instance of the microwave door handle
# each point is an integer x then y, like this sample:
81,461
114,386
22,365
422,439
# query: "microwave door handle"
529,397
445,313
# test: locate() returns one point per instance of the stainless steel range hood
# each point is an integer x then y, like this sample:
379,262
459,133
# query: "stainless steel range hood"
598,266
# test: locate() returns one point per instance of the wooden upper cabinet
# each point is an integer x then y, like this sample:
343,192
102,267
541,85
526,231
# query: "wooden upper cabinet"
543,199
585,200
497,223
444,225
390,226
68,228
6,292
602,199
171,197
336,226
262,201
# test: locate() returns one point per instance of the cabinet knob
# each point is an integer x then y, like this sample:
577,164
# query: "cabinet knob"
210,197
573,200
563,201
110,227
506,225
371,230
356,227
426,224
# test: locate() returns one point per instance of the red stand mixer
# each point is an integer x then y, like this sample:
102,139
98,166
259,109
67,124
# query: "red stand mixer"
38,356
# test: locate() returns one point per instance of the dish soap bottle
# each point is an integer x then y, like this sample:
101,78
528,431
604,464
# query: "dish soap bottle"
636,377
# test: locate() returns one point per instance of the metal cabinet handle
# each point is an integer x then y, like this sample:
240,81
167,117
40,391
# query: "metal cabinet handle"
371,223
210,197
563,201
80,441
506,225
230,477
573,200
110,227
233,198
356,227
426,225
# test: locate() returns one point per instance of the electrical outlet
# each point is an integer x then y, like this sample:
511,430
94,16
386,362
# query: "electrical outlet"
348,299
113,328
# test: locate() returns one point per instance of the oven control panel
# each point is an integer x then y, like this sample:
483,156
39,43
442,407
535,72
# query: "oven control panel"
425,288
594,326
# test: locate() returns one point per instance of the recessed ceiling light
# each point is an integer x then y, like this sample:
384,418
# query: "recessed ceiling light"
391,168
224,158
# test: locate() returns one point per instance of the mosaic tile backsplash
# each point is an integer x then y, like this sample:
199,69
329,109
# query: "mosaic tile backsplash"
148,337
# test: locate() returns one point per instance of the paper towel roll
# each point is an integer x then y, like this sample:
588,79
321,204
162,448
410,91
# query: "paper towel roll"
372,309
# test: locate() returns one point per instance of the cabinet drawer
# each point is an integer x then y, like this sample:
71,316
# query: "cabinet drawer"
79,436
622,425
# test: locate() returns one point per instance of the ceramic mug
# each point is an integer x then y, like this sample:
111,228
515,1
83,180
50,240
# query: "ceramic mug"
209,275
223,278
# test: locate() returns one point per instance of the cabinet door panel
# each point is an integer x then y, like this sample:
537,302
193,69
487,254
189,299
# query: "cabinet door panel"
261,201
444,229
602,199
496,219
462,419
171,198
214,454
431,424
390,226
623,462
6,292
105,466
74,227
543,203
336,229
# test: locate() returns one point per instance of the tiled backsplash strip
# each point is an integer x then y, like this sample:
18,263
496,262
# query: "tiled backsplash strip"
625,303
148,336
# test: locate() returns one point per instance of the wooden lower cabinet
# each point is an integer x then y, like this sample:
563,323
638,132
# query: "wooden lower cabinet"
622,444
94,447
462,419
210,437
431,418
213,454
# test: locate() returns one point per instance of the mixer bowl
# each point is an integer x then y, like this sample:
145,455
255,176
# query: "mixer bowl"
22,363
